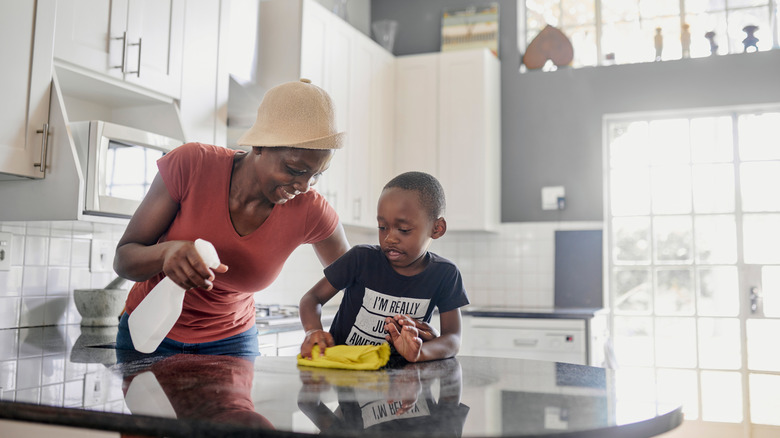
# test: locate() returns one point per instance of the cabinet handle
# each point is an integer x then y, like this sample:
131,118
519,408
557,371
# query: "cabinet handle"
525,342
137,71
121,67
44,147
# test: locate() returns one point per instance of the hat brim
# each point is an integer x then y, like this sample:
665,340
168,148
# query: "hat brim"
333,141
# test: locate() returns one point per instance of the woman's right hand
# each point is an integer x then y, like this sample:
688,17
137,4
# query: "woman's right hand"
184,266
316,337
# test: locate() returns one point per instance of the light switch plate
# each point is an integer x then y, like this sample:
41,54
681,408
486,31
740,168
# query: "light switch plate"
101,256
553,198
5,251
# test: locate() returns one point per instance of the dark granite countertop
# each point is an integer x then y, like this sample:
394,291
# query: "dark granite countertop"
204,396
532,312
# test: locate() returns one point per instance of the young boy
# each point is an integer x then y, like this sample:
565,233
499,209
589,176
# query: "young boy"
392,289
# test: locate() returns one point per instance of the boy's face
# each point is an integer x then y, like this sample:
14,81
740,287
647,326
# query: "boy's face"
405,230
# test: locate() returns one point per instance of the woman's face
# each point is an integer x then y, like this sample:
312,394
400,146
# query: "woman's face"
285,173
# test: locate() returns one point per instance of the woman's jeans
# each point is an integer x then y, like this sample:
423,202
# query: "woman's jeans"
242,344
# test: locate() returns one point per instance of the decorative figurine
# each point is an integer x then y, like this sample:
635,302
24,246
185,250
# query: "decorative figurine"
550,44
685,40
750,40
659,43
713,45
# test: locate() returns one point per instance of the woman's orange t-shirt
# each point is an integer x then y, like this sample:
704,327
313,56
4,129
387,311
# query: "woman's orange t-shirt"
198,178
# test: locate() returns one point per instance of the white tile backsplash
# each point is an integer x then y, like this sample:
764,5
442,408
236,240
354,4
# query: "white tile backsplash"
512,267
36,249
48,261
59,251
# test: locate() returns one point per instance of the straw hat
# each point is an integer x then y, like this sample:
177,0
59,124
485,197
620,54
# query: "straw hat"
295,114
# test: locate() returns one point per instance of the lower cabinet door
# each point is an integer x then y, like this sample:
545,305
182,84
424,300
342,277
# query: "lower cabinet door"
523,338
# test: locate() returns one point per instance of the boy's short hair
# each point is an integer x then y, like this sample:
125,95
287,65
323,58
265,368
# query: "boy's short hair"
427,186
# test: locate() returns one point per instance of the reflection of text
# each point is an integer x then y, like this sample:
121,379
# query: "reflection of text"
369,327
380,411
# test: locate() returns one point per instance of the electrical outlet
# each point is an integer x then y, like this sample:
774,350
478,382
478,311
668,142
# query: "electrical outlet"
5,251
101,256
553,198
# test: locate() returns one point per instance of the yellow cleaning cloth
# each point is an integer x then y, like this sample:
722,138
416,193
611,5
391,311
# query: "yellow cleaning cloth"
349,357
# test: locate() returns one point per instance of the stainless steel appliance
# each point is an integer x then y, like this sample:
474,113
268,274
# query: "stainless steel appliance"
118,163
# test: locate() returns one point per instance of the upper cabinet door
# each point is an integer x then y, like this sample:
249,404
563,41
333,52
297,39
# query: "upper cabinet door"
155,32
417,113
469,138
138,41
92,34
448,124
25,87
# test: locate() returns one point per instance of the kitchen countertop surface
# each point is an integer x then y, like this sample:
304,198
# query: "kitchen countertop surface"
202,396
532,312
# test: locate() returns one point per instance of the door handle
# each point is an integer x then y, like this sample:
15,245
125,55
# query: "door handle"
121,67
525,342
44,147
137,71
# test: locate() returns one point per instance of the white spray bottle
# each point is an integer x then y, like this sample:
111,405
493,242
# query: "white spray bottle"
154,317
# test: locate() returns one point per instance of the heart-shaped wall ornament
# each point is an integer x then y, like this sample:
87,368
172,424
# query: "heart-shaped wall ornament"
550,44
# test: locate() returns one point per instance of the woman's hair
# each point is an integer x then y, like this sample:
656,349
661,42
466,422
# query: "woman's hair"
427,186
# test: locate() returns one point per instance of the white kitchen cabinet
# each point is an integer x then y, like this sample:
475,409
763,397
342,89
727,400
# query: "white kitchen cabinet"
448,124
559,340
369,148
358,75
289,343
27,32
205,77
136,41
267,344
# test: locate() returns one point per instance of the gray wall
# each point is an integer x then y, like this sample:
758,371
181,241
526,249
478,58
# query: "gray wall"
551,122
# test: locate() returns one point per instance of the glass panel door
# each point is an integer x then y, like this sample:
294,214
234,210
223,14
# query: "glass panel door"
693,229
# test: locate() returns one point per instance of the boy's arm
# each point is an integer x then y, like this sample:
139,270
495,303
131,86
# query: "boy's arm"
444,346
310,311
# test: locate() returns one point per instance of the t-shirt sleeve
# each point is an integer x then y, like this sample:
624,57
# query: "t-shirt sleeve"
341,273
321,219
177,166
453,294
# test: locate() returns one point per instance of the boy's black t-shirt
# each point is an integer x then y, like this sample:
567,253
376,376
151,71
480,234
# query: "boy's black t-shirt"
374,291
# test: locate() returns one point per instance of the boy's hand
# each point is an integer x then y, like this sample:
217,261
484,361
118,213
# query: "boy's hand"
425,331
316,337
406,341
405,388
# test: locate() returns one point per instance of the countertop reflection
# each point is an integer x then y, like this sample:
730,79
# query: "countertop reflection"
198,395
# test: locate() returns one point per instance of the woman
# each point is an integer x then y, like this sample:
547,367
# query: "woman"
254,207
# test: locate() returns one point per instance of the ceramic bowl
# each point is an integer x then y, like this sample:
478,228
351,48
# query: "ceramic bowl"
100,307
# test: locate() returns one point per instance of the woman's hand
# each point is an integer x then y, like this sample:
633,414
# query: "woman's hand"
183,264
316,337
